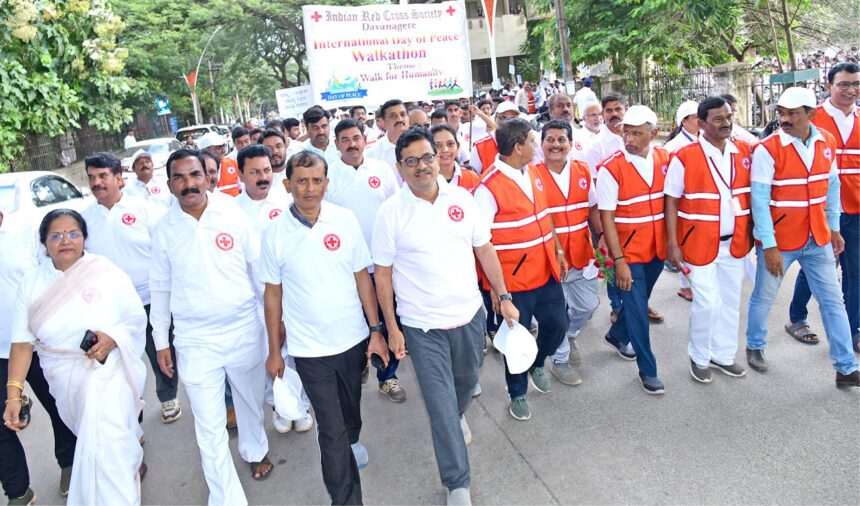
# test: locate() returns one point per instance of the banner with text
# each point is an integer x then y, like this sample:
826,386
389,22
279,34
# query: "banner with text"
292,102
370,54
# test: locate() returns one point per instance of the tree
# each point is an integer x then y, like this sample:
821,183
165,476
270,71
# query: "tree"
60,64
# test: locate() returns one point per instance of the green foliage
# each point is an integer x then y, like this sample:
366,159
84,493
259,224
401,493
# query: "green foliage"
60,64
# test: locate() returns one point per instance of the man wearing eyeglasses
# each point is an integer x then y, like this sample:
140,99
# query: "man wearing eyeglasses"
513,199
838,115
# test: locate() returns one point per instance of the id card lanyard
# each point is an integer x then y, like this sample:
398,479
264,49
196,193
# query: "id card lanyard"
736,202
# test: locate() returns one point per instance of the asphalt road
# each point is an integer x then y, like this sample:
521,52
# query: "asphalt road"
785,437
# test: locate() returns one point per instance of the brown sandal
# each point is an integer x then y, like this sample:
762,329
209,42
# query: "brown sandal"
259,475
654,316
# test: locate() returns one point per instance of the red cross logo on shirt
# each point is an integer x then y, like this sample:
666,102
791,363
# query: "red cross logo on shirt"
539,184
746,163
316,17
450,10
456,213
373,182
90,294
827,153
583,183
128,219
331,242
577,145
664,168
224,241
231,169
274,213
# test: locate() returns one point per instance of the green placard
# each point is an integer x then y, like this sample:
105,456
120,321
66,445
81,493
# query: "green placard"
795,77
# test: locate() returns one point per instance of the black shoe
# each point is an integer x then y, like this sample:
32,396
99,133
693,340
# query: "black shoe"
624,351
700,374
733,370
851,379
652,385
756,360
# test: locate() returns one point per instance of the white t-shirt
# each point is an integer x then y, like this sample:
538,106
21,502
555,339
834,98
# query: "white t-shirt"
607,186
430,249
316,267
562,181
259,212
123,234
724,164
155,191
19,251
679,141
582,97
383,150
605,143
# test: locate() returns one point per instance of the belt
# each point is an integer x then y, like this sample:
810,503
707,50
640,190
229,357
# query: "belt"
726,237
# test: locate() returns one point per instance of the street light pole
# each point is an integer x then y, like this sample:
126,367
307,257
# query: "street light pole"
566,64
197,111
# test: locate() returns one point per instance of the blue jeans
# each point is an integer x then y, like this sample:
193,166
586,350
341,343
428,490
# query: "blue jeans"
632,324
817,261
850,262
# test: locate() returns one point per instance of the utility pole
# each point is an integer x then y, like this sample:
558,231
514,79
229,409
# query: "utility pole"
566,64
197,111
212,87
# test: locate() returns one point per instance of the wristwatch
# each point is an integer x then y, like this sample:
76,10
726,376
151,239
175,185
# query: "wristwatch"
376,328
504,297
559,252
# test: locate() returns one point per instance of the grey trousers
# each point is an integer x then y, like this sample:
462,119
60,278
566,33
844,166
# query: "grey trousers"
582,300
446,364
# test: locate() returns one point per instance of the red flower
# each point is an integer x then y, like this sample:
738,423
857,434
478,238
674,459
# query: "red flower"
609,264
602,251
599,274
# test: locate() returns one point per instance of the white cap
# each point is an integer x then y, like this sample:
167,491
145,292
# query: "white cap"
639,115
507,106
795,97
139,154
210,139
685,109
518,345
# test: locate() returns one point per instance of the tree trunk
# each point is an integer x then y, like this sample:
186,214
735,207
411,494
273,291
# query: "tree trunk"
786,27
773,37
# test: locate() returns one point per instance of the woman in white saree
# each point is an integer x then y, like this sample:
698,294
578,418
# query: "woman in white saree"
57,304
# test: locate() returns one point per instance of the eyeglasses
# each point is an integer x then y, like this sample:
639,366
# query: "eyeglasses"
59,236
412,161
845,85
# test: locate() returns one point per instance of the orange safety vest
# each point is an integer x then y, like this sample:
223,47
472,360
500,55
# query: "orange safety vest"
468,179
847,158
699,206
570,214
798,196
487,151
522,232
639,211
531,107
228,181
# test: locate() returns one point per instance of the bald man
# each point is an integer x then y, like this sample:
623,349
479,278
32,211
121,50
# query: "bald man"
418,117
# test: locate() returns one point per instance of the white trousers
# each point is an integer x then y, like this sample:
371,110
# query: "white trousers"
715,310
203,372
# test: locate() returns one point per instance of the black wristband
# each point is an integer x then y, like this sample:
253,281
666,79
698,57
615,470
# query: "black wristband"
376,328
617,258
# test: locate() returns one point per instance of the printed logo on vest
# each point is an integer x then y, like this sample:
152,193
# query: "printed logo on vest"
373,182
664,169
456,213
274,213
224,241
128,219
583,183
746,163
331,242
828,154
538,184
231,169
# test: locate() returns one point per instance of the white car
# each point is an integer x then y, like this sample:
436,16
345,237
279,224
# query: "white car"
197,131
160,149
26,197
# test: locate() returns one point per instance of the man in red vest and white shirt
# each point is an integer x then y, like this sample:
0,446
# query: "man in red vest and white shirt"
484,151
572,206
630,199
838,116
795,205
709,229
228,179
512,196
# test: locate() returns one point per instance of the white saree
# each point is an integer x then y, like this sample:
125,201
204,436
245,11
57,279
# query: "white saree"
99,403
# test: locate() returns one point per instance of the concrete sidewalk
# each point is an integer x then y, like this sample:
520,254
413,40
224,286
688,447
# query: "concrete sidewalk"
786,437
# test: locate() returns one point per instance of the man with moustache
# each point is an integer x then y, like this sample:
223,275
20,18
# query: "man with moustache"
396,121
560,108
362,184
222,338
228,176
795,205
315,258
120,228
212,172
591,121
709,231
281,149
145,185
319,135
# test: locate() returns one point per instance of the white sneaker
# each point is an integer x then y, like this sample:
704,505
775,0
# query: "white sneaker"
467,432
477,391
281,424
304,423
459,497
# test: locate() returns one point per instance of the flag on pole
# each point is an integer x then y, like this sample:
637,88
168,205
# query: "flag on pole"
191,78
490,14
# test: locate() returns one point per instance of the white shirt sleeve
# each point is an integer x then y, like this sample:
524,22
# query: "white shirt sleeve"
834,169
270,271
486,203
674,183
592,196
593,158
159,318
360,253
476,160
481,234
762,166
383,245
607,191
159,266
20,331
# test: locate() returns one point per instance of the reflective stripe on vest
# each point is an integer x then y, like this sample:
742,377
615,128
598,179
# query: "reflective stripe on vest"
570,214
521,232
847,158
639,211
798,195
698,228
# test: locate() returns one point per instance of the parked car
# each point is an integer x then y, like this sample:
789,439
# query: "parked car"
195,132
160,149
26,197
